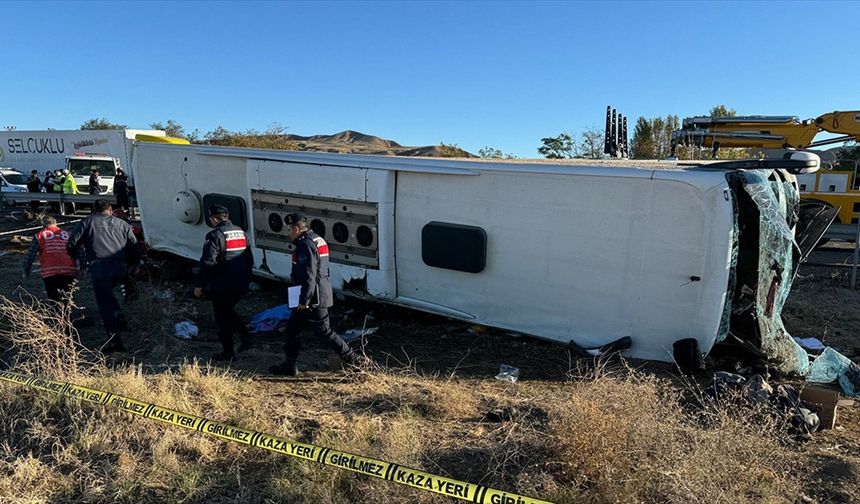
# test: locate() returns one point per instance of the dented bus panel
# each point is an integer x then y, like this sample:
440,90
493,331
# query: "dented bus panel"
587,252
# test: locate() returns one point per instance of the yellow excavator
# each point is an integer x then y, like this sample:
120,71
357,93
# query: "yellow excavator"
839,186
767,132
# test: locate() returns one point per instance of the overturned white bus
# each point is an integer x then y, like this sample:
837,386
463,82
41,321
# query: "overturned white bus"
583,252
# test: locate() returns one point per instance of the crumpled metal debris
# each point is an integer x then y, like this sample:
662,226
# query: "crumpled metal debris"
782,400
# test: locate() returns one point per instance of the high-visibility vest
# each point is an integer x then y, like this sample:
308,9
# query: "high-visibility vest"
58,184
53,258
69,185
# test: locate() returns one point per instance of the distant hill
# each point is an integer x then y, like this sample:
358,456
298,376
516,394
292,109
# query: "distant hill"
354,142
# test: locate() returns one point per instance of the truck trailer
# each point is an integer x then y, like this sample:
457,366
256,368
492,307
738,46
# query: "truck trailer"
79,151
577,252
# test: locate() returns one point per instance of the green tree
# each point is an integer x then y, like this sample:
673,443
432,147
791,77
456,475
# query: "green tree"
729,152
101,124
452,151
560,147
847,157
643,140
493,153
272,138
194,137
657,139
172,128
591,143
722,111
662,130
490,153
218,136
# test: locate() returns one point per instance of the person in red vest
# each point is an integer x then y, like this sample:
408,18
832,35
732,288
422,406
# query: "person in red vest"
58,269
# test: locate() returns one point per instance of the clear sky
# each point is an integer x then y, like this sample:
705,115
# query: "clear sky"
503,74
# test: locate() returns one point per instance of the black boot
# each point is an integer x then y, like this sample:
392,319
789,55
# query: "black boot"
357,361
284,369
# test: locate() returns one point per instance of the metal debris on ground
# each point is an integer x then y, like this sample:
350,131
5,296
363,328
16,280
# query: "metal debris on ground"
781,401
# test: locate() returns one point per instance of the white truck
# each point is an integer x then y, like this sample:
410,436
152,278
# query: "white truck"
79,151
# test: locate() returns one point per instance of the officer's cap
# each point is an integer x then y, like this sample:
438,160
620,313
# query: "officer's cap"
217,209
294,218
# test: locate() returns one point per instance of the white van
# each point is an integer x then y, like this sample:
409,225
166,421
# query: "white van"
12,180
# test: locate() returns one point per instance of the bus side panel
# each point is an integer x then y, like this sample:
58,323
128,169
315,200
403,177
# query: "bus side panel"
161,172
573,257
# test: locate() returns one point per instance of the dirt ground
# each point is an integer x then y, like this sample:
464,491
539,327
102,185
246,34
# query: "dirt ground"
821,305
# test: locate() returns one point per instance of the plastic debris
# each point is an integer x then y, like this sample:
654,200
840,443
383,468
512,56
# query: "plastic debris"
831,366
254,287
354,334
757,390
186,330
269,320
810,343
780,401
166,294
508,373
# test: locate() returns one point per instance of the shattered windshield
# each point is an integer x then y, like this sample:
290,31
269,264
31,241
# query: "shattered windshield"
771,270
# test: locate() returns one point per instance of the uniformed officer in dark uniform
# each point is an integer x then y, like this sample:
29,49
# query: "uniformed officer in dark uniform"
225,272
111,248
310,271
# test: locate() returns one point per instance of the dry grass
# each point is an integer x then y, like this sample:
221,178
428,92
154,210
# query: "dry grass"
600,437
43,338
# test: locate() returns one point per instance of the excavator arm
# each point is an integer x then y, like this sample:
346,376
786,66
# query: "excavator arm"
766,132
845,123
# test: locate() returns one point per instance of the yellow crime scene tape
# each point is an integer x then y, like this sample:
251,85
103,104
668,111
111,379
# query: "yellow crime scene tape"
388,471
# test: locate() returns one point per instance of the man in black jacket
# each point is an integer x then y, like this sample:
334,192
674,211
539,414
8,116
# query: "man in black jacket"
120,189
310,271
111,248
34,184
225,272
95,183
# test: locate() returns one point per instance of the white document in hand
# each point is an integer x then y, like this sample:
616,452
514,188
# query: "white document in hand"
293,294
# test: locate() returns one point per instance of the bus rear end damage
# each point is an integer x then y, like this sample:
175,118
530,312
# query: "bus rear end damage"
771,238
